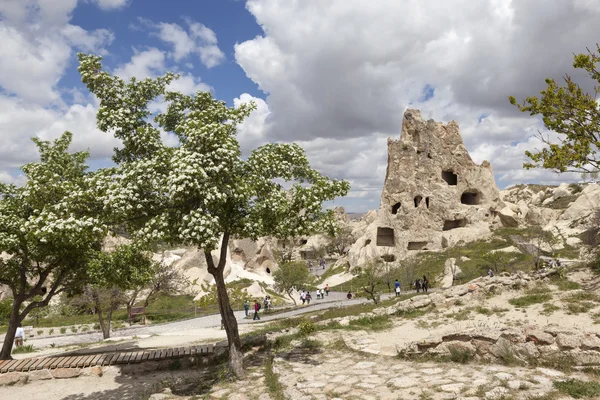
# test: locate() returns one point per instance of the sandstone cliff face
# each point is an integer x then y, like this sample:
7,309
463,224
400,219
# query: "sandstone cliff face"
434,194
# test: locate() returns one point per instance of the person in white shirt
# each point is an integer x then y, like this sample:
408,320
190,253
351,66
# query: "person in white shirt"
19,336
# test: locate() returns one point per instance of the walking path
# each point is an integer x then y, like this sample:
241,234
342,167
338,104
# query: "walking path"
335,299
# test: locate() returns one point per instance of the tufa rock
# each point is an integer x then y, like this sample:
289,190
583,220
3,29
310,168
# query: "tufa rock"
434,195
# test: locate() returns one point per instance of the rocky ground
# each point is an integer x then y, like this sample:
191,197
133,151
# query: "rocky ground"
352,361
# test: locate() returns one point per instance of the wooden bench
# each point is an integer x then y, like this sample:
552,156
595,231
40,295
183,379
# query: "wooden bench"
135,311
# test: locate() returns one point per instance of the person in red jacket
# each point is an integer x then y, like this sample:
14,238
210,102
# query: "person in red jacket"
256,308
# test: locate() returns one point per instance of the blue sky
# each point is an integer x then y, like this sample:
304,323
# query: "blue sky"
229,19
334,76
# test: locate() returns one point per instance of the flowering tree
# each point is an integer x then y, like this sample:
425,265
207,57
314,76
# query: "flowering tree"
201,192
109,276
47,233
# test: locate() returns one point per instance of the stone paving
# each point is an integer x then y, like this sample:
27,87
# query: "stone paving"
325,373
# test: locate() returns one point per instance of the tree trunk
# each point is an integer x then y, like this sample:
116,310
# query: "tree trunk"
13,323
292,298
103,324
236,357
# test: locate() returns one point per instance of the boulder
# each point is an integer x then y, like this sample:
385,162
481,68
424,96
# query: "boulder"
539,337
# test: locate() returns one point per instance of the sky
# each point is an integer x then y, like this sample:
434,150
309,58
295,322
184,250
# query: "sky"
335,76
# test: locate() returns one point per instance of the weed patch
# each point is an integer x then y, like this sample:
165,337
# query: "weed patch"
272,381
530,299
578,389
460,355
549,308
565,284
26,348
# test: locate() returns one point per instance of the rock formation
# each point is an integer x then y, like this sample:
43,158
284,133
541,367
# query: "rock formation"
434,195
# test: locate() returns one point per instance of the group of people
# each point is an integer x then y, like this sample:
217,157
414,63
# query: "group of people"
257,307
422,284
321,263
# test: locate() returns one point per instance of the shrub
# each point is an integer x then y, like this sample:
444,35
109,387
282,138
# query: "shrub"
306,328
40,332
63,330
74,329
96,327
51,332
85,328
460,355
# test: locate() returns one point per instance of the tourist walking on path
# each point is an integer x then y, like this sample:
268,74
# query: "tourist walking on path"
308,298
327,289
303,297
418,285
397,285
246,307
256,309
425,284
19,336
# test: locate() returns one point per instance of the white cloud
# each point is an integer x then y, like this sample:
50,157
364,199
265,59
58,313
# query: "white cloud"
145,64
200,40
339,73
19,121
36,46
109,5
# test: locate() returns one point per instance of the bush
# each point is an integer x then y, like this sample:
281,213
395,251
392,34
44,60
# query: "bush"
40,332
63,330
85,328
51,331
74,329
460,355
306,328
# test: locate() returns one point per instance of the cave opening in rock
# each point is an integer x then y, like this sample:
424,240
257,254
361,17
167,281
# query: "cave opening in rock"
471,198
367,242
396,207
268,270
388,257
418,200
453,224
416,245
450,177
427,202
385,237
303,242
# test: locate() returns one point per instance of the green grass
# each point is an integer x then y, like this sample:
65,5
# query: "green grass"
565,284
272,381
330,272
371,323
580,307
26,348
549,308
413,313
530,299
578,389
